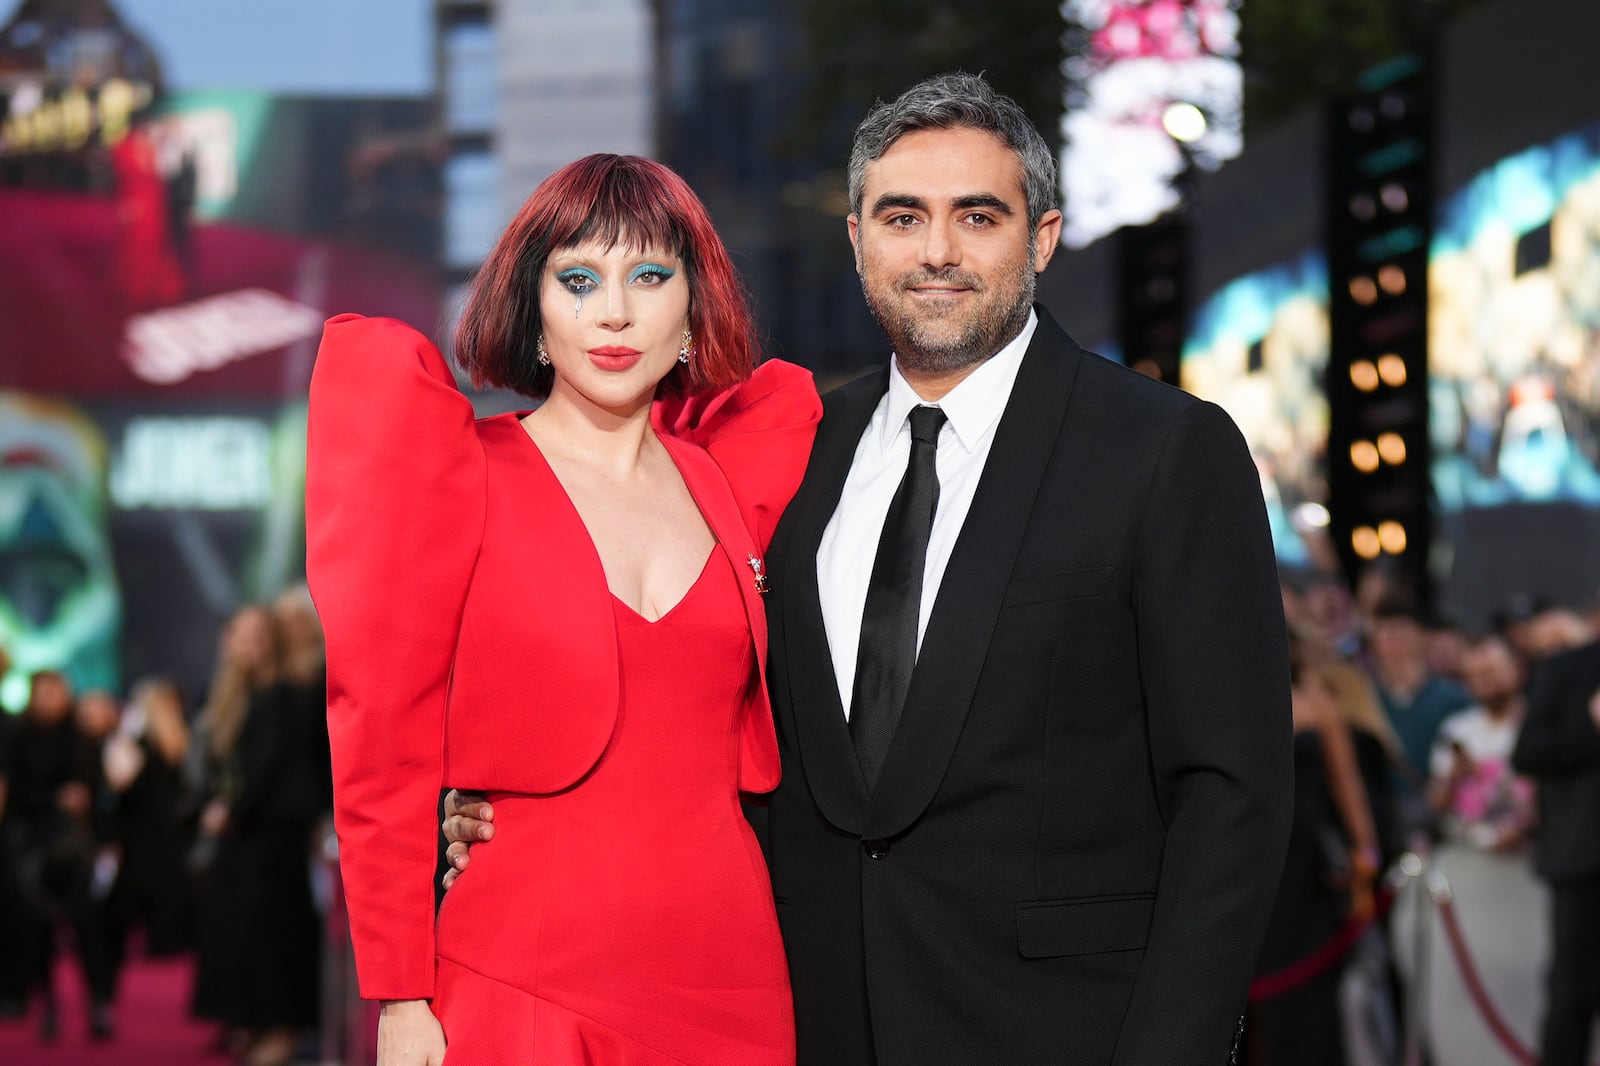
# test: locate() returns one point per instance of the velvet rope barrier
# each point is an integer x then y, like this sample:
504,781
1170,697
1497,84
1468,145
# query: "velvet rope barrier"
1333,951
1325,957
1439,892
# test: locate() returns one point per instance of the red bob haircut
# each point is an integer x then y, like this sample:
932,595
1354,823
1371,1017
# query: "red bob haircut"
613,199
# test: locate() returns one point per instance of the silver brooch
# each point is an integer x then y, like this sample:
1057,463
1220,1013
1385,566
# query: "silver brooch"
761,577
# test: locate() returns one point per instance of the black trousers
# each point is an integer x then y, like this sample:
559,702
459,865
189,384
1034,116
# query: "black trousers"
1573,984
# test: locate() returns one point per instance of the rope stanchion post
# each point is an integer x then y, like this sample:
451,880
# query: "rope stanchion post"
1414,866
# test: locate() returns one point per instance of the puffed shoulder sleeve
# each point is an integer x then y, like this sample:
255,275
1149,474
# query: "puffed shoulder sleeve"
759,432
394,517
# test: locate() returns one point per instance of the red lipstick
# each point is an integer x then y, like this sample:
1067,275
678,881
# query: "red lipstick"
614,356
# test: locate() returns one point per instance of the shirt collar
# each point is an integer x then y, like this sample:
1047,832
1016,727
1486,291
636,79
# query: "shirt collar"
973,406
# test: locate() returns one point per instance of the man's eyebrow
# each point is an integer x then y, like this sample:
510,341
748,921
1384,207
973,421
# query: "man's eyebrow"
898,199
982,199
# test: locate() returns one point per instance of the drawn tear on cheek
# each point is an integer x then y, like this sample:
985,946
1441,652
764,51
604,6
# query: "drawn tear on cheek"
578,309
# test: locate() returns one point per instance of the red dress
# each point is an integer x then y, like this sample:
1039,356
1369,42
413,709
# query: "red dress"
623,913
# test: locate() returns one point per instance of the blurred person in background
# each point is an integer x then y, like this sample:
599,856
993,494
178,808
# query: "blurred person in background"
259,940
1511,622
1328,878
1372,991
98,716
144,763
1377,749
1415,701
1332,614
13,981
486,590
1559,747
1555,630
1378,582
1486,817
52,779
1481,801
1447,649
305,675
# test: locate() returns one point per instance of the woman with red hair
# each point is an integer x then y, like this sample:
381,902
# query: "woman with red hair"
561,608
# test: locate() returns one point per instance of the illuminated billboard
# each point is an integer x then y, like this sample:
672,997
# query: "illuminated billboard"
1514,332
1514,387
1259,349
227,227
179,257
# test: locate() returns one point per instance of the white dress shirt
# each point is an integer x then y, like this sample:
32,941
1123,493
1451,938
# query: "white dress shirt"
850,543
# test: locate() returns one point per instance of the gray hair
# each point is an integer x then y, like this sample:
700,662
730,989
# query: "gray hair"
957,101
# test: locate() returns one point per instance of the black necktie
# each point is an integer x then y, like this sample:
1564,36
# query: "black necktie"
888,650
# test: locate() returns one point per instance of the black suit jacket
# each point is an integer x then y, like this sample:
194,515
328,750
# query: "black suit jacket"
1074,844
1559,747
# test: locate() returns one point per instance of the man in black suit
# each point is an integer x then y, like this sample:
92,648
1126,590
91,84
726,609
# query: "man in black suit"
1037,780
1559,746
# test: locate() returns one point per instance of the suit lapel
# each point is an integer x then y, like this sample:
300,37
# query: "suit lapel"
968,604
821,732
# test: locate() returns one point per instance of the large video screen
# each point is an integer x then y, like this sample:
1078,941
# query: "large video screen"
1259,349
1515,287
1514,339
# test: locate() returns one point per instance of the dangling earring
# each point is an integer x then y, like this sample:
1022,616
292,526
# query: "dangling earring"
542,355
686,348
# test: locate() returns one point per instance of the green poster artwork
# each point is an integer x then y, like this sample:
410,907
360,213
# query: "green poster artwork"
60,608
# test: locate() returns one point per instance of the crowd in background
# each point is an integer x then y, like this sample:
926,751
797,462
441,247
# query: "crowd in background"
145,824
1406,730
161,825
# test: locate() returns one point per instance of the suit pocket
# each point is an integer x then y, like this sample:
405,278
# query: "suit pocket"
1067,585
1053,928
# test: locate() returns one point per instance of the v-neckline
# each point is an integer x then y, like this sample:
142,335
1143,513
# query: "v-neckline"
705,568
588,536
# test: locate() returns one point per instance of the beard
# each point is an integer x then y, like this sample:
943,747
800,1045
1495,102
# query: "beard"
929,342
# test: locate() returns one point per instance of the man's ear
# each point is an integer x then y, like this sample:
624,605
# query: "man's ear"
1046,239
852,223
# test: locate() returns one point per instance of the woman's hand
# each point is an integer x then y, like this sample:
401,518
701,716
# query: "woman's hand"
214,818
409,1034
1364,870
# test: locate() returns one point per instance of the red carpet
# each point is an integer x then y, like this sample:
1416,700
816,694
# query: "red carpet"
152,1020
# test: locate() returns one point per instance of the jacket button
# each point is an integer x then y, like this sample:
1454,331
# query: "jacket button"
876,849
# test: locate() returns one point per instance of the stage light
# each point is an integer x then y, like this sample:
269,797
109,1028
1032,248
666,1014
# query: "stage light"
1184,122
1392,448
1364,456
1378,205
1364,539
1392,369
1392,279
1312,515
